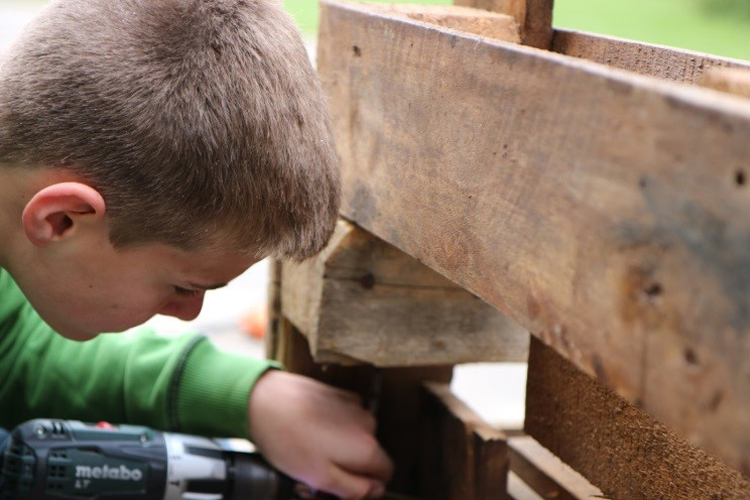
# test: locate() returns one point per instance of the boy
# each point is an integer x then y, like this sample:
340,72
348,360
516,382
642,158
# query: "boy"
151,150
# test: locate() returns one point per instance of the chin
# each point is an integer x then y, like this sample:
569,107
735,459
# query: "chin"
74,333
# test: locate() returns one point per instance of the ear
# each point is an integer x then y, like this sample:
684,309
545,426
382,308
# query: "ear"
54,212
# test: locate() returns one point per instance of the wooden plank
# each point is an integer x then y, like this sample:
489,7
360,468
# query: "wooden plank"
734,81
668,63
465,19
463,458
364,301
618,447
598,209
546,474
534,17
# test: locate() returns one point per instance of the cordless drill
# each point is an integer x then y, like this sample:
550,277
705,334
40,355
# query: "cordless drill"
61,459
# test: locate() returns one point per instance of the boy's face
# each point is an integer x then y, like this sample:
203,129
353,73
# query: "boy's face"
93,288
79,283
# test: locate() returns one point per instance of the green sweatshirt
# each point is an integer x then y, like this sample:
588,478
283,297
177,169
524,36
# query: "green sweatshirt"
181,385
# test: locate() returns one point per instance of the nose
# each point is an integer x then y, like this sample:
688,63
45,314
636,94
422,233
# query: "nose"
184,308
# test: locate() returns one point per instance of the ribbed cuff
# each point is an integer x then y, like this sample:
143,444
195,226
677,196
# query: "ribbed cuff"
214,390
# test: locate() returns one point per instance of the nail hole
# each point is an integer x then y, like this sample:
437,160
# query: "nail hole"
357,51
367,281
691,357
739,178
654,290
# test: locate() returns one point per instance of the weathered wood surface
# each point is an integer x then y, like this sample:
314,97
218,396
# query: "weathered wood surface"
544,473
669,63
598,209
533,16
465,19
463,458
618,447
364,301
734,81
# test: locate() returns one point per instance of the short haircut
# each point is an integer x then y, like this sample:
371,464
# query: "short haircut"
195,119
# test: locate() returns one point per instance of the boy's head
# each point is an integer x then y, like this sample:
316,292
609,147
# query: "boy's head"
198,124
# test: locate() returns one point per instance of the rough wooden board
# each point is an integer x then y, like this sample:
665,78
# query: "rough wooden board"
615,445
645,59
534,17
364,301
598,209
465,19
393,394
546,474
730,80
463,458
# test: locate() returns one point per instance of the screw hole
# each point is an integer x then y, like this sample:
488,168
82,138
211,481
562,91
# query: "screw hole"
654,290
367,281
691,357
739,178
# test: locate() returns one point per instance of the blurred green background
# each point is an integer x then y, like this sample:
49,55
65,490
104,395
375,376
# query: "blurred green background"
720,27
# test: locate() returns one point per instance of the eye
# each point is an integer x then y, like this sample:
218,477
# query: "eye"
184,292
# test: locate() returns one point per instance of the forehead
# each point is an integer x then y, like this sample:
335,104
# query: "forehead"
208,266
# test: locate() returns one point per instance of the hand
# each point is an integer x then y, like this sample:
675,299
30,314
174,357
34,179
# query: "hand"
319,435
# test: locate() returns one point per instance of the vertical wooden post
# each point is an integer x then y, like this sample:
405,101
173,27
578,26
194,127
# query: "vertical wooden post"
534,17
462,457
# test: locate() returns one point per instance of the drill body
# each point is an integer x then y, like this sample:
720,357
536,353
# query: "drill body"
70,460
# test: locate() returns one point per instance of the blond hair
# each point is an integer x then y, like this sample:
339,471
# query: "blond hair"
193,118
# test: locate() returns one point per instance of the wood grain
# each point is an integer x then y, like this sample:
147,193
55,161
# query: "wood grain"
534,17
463,458
600,210
364,301
616,446
669,63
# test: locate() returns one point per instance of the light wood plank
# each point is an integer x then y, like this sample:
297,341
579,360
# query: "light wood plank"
598,209
546,474
615,445
364,301
669,63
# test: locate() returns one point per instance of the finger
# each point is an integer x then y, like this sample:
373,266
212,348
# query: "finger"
348,486
367,459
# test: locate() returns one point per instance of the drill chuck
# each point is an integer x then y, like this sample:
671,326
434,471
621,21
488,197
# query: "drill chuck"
59,459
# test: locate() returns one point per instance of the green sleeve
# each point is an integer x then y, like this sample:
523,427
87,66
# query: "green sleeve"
179,384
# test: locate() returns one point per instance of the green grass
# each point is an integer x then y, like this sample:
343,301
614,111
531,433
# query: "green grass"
720,27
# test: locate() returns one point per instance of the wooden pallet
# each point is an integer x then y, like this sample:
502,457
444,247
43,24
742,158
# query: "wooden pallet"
589,190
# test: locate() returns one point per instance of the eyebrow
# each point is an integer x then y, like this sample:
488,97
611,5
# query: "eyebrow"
208,287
